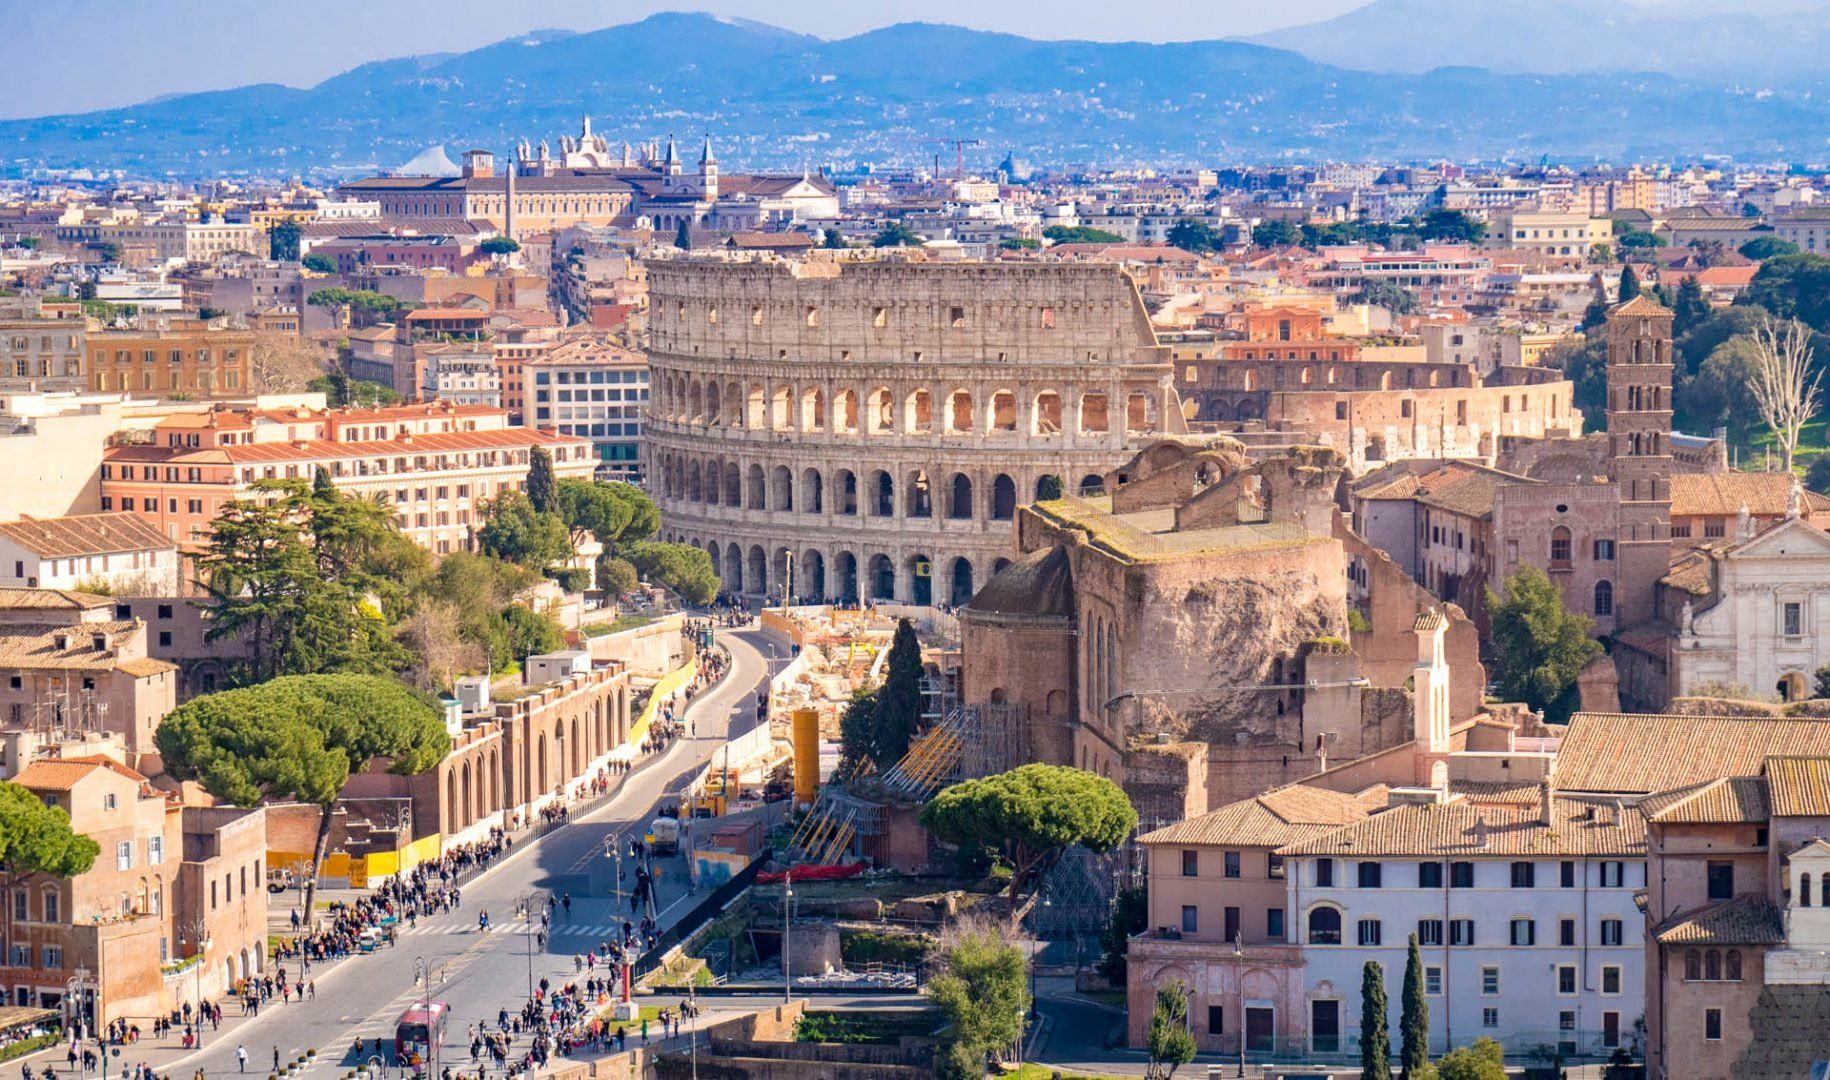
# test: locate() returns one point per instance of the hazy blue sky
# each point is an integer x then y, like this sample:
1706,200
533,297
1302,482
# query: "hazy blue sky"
77,55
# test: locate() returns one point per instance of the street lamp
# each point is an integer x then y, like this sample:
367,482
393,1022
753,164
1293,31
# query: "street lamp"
424,977
525,905
199,933
613,847
787,906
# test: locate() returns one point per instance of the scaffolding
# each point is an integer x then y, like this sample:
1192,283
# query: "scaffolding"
832,825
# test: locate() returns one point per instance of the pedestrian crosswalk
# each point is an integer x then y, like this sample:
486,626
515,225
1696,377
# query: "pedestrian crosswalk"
455,928
597,930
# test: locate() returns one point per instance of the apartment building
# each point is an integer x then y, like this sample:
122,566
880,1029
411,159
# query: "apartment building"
435,463
591,389
41,345
118,554
1547,232
71,661
129,923
173,357
183,241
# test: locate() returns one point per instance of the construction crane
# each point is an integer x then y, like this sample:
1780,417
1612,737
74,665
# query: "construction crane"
959,154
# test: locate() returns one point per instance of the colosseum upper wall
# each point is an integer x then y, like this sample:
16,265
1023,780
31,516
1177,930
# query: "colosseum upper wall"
868,426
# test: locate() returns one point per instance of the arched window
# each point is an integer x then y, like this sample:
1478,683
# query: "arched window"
1559,546
1324,926
1693,965
1733,970
1604,598
1804,890
1712,966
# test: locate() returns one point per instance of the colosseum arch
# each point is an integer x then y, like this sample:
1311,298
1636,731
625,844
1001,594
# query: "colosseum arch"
845,412
695,404
959,497
714,414
845,572
1003,498
813,493
882,494
781,403
733,568
812,573
733,401
1003,413
759,499
813,410
1140,413
959,412
694,491
921,577
998,567
1092,484
717,555
1046,415
882,578
880,406
781,485
756,574
714,482
918,413
845,493
961,585
733,484
781,573
920,496
756,409
1093,415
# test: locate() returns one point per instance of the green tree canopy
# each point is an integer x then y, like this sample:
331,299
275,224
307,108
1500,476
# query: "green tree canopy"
1196,236
683,568
617,576
1414,1016
612,512
1793,287
1452,225
899,698
319,263
1629,285
1389,295
1761,248
683,236
499,245
542,486
1722,392
37,839
517,532
1689,306
1033,812
1276,233
1080,234
833,240
283,241
1484,1059
1539,646
981,995
300,737
897,234
1375,1032
1169,1045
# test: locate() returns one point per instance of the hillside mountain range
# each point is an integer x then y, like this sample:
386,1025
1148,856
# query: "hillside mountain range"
1757,40
770,98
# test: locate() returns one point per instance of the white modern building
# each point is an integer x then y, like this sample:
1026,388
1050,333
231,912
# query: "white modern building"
1524,912
594,390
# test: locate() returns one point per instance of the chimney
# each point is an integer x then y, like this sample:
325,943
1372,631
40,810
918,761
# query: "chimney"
1547,795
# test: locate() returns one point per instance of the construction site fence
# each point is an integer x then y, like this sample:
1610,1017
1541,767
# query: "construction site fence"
705,911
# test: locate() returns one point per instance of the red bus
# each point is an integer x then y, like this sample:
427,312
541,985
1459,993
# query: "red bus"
420,1029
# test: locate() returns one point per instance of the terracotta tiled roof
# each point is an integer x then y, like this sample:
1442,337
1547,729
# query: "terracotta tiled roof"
1489,792
1640,753
1745,920
1402,486
1689,572
1462,828
1642,305
50,600
54,774
1274,818
145,667
1722,494
1799,786
1730,800
86,534
35,646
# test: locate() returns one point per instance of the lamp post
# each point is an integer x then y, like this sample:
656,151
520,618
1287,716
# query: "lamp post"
613,847
425,977
787,906
199,933
525,905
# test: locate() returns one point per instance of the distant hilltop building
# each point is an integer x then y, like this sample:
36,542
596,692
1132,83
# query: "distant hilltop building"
589,183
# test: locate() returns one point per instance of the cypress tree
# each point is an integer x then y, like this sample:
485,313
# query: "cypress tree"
542,488
899,699
1414,1022
683,237
1375,1038
1629,284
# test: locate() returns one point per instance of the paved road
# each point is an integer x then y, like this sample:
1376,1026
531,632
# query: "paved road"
478,973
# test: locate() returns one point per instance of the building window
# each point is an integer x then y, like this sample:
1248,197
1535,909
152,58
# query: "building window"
1324,926
1369,932
1559,546
110,801
53,905
123,855
1721,877
1461,931
1461,875
54,958
1712,1025
1490,981
1232,864
1610,979
1189,920
1191,861
1432,981
1794,618
1524,932
1274,867
1613,874
1490,1018
1369,875
1612,931
155,850
1429,875
1524,875
1566,979
1324,873
1566,874
1604,551
1274,923
1566,932
1429,931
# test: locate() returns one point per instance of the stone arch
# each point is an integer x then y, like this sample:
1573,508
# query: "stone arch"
1092,484
733,404
961,584
733,484
813,575
467,805
541,784
998,567
781,572
1002,414
921,578
495,779
781,488
1094,418
918,412
695,492
845,568
733,568
695,404
452,823
1003,497
756,409
1322,925
880,411
845,412
882,494
714,413
882,578
813,492
1140,412
1045,416
758,497
714,485
920,496
756,575
959,497
813,409
781,404
959,412
845,493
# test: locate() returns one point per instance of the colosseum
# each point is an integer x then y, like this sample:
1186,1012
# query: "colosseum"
857,426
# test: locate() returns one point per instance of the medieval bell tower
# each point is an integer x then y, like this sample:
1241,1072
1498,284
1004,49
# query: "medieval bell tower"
1639,442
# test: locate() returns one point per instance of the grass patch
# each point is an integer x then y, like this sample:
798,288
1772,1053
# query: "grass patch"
620,624
882,1028
1033,1071
875,946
